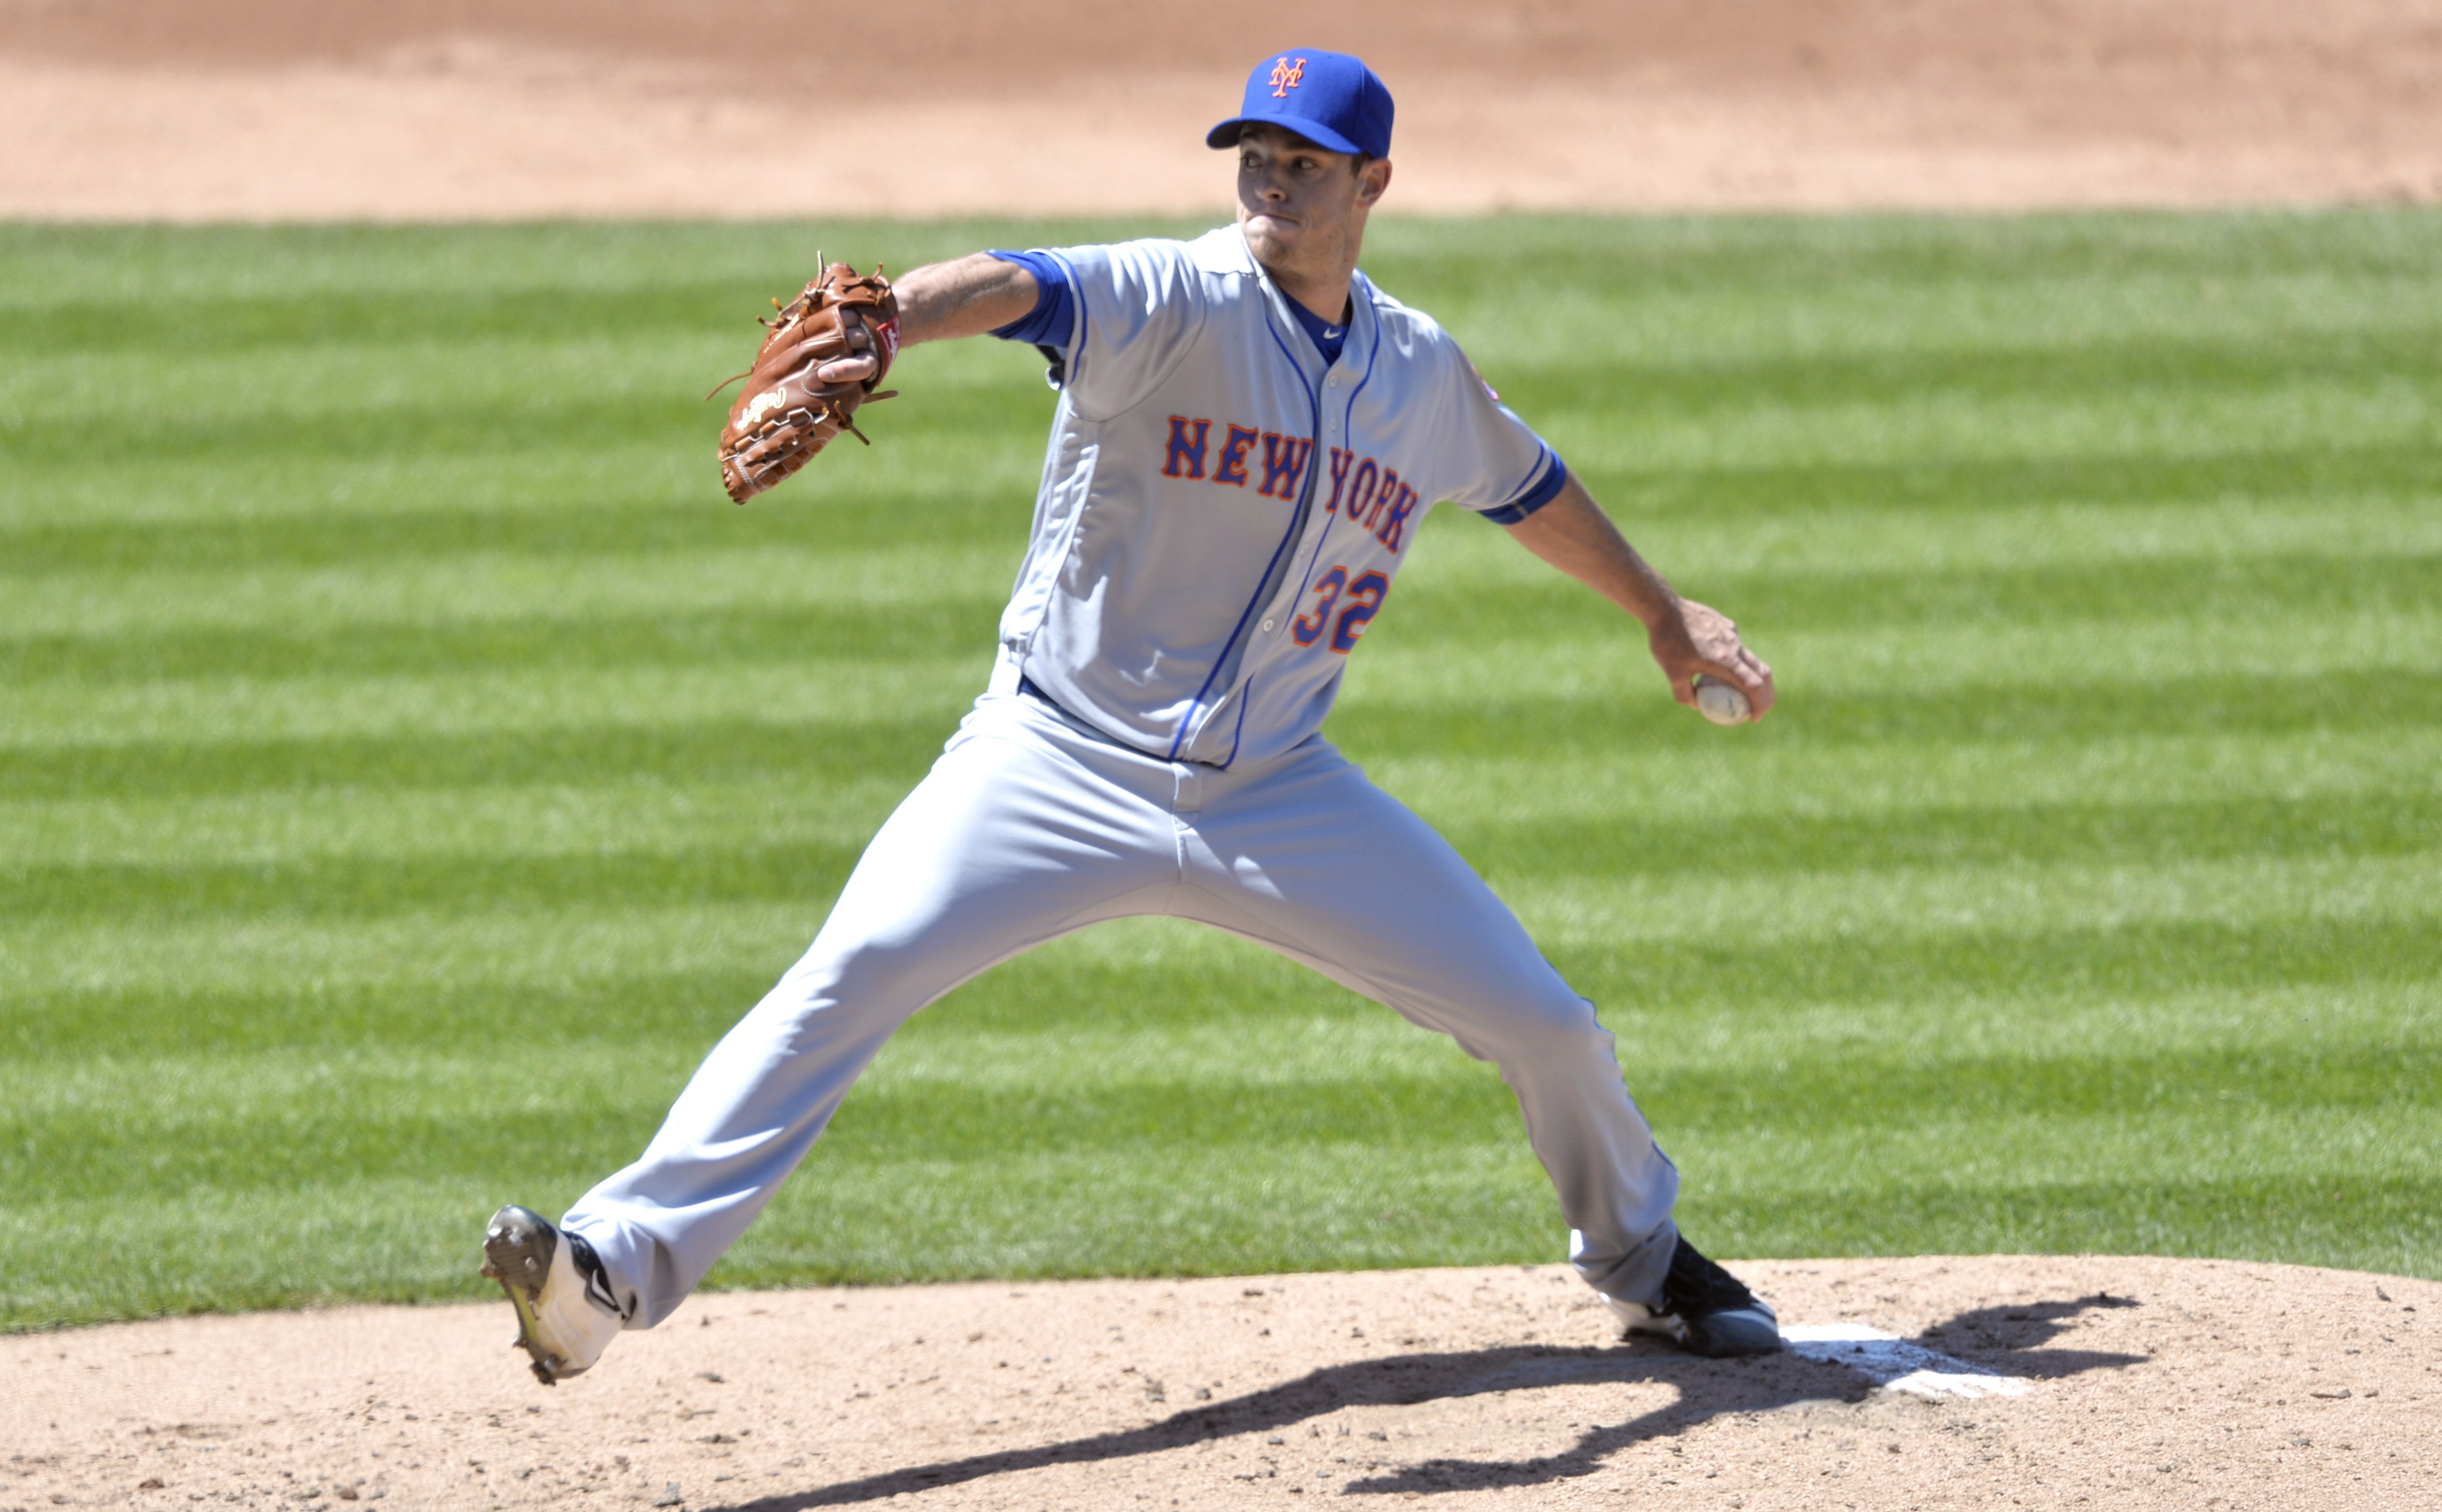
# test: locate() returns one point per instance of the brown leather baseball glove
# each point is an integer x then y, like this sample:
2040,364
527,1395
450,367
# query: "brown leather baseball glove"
788,411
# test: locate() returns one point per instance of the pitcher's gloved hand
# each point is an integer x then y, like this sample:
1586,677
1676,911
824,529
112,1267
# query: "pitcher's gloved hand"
824,356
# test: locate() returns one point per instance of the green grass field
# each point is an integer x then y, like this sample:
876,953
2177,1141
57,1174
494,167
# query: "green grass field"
410,763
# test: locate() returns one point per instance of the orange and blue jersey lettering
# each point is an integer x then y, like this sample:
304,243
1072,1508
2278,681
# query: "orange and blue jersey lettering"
1284,464
1232,468
1339,464
1394,520
1186,448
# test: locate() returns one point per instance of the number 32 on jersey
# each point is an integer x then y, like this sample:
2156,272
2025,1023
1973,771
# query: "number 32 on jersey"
1356,601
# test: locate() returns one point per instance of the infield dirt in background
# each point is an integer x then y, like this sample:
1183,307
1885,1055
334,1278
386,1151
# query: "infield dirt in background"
445,109
2156,1383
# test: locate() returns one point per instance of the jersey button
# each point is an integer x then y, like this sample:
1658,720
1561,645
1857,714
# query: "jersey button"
1267,625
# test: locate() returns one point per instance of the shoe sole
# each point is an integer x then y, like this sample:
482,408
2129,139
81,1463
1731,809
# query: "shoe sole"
517,1250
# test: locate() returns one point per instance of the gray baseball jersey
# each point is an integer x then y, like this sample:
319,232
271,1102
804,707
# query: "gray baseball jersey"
1222,513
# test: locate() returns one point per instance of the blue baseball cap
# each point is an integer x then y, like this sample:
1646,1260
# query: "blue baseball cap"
1330,99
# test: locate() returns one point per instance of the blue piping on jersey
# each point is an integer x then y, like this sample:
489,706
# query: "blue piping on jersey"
1267,587
1346,419
1547,478
1544,456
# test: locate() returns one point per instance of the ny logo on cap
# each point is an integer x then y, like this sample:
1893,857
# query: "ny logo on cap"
1285,76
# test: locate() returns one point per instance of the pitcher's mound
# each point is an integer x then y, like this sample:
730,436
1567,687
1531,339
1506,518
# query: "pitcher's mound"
2014,1381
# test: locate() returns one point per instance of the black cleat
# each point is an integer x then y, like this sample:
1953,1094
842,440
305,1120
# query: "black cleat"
1705,1310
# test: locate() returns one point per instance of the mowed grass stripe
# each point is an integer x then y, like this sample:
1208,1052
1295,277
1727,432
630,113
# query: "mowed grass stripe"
365,408
1971,534
661,514
508,823
1193,1073
103,1151
365,403
486,587
936,629
1811,595
1079,1081
785,746
1802,597
1634,770
1968,665
1877,284
1883,703
642,500
492,487
1145,997
2403,824
803,753
1974,667
833,691
563,267
907,1220
1594,783
2180,317
2386,1224
2029,933
98,1153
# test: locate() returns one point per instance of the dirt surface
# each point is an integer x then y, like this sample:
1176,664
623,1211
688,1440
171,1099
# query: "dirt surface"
2138,1382
284,109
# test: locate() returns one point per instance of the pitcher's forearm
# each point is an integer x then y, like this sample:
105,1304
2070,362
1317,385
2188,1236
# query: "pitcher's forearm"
1573,534
1688,639
971,296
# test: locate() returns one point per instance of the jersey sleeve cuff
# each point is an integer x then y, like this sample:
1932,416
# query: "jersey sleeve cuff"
1545,488
1047,323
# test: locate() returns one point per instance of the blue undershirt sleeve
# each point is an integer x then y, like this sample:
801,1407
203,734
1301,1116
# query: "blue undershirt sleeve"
1055,302
1546,489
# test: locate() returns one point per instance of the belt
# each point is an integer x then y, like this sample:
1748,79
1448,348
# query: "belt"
1034,690
1029,689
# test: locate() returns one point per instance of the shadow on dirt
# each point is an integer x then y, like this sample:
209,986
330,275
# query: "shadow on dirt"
2004,1340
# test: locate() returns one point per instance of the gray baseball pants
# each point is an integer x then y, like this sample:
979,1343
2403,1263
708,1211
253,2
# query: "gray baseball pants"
1031,826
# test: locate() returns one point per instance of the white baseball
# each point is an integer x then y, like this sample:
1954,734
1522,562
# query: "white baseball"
1722,703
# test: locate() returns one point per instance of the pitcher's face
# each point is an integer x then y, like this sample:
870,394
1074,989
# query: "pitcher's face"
1302,207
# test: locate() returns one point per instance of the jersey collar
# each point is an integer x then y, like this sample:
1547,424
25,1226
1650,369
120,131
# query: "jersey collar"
1224,249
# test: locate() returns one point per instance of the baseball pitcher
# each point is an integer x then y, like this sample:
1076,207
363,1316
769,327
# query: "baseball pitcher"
1248,436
